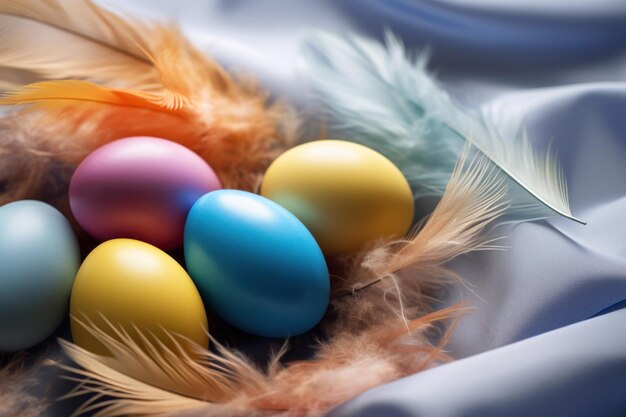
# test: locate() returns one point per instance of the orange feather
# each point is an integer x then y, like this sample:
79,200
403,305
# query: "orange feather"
160,85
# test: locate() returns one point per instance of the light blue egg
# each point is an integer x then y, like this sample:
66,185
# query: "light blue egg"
255,264
39,258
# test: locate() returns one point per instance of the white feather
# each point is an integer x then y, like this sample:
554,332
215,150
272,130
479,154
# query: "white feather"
388,101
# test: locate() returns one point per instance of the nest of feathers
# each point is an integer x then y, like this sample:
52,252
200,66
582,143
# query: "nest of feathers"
93,76
382,325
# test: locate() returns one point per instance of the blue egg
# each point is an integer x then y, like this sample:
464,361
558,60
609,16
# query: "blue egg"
39,258
255,264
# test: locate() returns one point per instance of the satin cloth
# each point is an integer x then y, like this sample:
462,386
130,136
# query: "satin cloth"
548,335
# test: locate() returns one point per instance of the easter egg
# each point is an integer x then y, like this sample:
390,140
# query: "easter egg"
140,188
39,257
133,285
255,264
346,194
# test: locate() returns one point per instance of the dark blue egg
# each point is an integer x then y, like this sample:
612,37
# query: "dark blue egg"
255,264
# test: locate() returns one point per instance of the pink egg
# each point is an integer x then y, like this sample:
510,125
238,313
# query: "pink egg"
140,188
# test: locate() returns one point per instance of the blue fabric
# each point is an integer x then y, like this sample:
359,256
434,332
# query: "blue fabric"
578,370
531,346
480,36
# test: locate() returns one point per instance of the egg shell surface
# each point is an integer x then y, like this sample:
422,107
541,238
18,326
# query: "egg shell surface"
255,264
134,285
39,257
140,188
346,194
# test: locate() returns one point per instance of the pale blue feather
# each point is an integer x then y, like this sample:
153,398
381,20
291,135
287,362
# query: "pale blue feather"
379,96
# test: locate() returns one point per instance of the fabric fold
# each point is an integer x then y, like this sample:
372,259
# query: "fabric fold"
576,371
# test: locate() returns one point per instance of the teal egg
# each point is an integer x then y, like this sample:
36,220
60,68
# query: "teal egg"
256,265
39,258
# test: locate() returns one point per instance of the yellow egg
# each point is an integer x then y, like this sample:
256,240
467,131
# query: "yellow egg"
132,285
347,195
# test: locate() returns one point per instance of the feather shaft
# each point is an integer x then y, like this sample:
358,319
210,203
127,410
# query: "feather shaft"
67,92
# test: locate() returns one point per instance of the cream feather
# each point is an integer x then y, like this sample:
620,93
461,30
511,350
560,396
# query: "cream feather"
390,102
29,45
72,39
82,18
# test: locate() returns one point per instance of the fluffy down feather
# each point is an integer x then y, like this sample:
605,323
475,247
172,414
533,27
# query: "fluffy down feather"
16,381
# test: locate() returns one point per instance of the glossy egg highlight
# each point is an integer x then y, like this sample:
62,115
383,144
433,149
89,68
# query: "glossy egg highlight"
132,284
39,257
255,264
346,194
140,188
